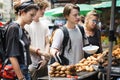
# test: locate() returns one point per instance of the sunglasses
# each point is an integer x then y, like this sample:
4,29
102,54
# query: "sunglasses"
95,21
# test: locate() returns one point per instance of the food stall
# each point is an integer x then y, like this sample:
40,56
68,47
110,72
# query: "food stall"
80,71
86,68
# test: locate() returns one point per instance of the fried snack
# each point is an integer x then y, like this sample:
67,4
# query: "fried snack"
56,72
116,53
82,61
63,75
50,72
68,72
62,72
55,64
57,75
52,69
58,68
52,75
63,68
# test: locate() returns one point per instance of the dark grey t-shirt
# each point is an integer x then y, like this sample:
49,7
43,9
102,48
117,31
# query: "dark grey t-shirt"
13,45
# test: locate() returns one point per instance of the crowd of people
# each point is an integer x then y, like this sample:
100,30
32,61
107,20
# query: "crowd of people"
31,53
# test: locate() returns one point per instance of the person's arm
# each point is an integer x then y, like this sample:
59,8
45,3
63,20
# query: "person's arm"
57,42
37,51
16,68
53,51
34,50
47,47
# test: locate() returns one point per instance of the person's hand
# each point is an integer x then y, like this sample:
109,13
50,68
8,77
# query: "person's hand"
42,63
53,52
47,56
43,53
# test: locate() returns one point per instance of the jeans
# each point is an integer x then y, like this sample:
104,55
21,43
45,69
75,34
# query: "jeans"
25,72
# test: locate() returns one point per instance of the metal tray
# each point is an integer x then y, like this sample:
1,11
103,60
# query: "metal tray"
115,69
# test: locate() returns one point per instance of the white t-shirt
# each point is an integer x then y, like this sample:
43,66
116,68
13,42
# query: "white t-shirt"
76,52
37,31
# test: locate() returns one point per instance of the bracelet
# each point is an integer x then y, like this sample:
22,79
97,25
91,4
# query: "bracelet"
37,51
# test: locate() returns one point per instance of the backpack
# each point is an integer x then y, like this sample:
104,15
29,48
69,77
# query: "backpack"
3,31
65,61
6,71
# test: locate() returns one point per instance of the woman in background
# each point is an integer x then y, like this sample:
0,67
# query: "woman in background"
92,31
93,34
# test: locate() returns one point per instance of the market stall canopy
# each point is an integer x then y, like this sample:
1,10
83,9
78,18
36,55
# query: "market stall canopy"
107,4
85,8
58,12
51,11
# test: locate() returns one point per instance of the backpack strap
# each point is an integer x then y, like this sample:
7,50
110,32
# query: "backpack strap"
83,33
65,39
23,44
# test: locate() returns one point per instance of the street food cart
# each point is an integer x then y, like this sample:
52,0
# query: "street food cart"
87,67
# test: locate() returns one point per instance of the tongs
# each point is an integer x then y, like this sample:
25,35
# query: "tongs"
57,57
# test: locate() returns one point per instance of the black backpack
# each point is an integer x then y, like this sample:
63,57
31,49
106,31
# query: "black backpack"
64,60
3,32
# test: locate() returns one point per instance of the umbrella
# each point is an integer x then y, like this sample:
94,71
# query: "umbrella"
84,9
107,4
58,13
51,11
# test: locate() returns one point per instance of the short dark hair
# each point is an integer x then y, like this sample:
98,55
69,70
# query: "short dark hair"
68,8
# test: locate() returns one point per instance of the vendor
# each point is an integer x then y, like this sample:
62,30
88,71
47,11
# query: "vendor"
92,31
